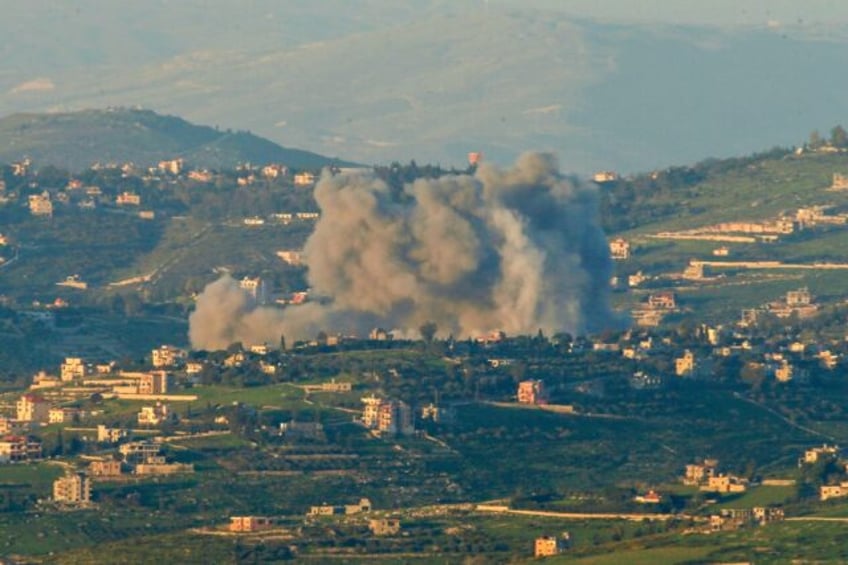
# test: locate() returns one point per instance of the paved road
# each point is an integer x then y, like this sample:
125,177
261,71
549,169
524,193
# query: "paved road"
584,515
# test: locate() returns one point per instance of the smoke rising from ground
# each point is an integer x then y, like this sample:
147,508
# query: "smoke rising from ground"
518,250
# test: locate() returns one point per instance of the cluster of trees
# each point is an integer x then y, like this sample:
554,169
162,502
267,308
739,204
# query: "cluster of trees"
838,138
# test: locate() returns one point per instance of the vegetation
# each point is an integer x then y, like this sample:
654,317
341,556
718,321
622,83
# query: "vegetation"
123,135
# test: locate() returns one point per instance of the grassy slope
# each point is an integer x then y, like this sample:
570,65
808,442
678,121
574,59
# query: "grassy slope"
762,190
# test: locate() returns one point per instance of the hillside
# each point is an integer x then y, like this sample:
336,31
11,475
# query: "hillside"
761,225
76,140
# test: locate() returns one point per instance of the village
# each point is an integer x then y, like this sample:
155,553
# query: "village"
388,442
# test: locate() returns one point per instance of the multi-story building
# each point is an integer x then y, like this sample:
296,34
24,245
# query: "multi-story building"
32,408
255,288
531,392
155,382
167,356
72,489
62,415
387,416
15,448
72,368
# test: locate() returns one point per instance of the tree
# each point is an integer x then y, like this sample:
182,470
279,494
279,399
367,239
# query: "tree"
815,139
839,137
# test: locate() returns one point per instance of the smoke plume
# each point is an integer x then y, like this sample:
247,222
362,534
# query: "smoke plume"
516,250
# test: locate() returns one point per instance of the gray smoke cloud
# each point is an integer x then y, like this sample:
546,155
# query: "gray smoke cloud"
517,250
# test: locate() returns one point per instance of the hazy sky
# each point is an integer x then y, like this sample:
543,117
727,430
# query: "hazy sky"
709,12
603,83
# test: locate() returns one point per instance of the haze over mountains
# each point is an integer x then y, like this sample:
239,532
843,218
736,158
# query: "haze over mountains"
380,81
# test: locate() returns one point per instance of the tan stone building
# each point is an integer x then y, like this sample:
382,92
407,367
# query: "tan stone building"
32,408
15,448
531,392
105,468
384,526
250,523
72,368
548,546
73,489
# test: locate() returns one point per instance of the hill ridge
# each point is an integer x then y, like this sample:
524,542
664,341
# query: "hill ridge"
75,140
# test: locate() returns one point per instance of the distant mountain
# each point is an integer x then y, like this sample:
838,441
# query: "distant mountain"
380,81
76,140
